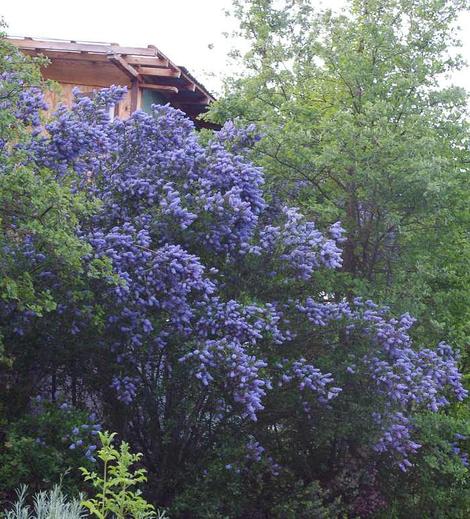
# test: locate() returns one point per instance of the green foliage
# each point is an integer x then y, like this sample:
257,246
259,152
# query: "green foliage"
36,449
46,505
230,485
225,495
358,127
309,502
35,204
439,483
115,494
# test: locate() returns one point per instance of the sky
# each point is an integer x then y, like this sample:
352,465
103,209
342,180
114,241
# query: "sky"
189,32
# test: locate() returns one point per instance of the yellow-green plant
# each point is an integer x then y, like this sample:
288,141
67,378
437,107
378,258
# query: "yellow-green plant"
116,492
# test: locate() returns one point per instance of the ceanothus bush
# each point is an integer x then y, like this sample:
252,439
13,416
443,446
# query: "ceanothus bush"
214,318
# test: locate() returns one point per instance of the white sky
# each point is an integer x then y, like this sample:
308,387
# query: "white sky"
181,29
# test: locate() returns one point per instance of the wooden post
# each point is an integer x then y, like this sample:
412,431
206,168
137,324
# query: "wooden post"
136,96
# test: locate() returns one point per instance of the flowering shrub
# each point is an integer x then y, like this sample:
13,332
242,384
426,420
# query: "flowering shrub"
212,320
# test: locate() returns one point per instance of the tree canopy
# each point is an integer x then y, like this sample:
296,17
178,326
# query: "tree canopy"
361,125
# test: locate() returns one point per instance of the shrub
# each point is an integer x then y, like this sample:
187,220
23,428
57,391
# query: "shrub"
51,504
115,493
49,441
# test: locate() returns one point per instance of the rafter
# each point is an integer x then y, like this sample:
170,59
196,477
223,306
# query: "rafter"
123,65
146,61
161,72
160,88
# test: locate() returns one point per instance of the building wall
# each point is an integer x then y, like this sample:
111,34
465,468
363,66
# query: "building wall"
64,95
87,77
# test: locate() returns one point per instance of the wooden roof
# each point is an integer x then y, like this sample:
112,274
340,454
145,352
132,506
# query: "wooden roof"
145,67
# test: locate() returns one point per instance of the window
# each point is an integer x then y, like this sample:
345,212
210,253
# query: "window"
151,97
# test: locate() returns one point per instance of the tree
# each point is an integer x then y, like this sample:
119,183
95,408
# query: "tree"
360,127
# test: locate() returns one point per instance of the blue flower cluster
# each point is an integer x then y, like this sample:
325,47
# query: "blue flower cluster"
397,439
236,369
301,247
163,182
78,138
457,450
308,377
83,437
24,101
407,378
254,450
125,387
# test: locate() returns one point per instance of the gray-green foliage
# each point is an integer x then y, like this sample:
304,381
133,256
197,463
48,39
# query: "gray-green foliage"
360,126
52,504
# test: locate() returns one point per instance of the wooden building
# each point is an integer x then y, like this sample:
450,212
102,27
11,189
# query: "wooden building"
150,77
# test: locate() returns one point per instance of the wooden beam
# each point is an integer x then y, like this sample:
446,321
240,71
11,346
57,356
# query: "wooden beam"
160,88
190,88
85,47
177,89
182,84
191,100
146,61
70,56
93,56
159,72
192,104
123,65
